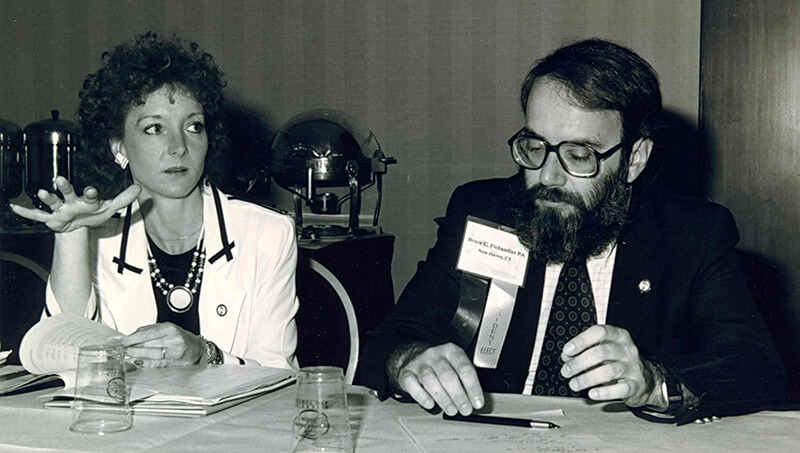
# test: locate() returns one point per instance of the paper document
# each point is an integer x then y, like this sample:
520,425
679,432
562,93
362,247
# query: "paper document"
432,434
192,391
53,343
49,351
207,385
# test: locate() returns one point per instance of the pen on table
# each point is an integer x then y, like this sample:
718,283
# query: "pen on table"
506,421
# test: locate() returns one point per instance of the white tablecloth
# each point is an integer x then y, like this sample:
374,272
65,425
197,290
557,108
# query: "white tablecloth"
264,425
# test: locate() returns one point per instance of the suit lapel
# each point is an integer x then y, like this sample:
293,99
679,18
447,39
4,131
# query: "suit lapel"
221,299
637,273
128,281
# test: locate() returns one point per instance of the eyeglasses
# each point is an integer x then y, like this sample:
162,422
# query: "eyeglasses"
581,161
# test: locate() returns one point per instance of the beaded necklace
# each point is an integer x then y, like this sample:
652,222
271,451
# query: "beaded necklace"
180,297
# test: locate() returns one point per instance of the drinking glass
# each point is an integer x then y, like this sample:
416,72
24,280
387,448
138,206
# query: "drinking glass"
101,402
321,422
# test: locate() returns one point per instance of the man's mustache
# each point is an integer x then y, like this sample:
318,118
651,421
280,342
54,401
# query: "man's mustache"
553,194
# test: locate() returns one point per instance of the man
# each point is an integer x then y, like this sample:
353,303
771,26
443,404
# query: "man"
664,321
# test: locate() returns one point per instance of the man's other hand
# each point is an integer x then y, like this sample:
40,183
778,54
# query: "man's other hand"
440,375
604,359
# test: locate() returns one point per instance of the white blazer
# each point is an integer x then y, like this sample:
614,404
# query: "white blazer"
248,299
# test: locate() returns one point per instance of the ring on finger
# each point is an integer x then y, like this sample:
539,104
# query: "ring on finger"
57,209
163,353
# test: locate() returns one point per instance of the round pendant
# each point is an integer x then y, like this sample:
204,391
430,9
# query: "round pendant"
179,299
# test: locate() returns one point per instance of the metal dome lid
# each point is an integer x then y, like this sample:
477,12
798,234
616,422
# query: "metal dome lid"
321,141
52,131
10,133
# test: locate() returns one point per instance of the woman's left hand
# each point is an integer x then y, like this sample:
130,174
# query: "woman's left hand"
164,344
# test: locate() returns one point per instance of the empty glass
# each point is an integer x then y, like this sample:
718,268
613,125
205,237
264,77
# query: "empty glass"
101,402
321,422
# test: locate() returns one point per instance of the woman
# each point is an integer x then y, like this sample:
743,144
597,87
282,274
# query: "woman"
154,249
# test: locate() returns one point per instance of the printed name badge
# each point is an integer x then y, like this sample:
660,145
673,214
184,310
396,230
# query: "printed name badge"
493,252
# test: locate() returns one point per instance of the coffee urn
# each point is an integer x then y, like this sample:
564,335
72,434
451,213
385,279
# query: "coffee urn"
12,161
49,148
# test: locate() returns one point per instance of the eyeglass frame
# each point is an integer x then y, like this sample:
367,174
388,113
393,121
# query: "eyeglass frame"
548,148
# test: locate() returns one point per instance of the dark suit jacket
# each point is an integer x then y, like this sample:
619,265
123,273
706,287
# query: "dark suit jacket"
698,319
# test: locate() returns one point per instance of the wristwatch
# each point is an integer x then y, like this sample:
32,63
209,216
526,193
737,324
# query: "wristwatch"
213,354
671,388
673,391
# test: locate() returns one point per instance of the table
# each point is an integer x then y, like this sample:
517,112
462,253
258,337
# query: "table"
263,425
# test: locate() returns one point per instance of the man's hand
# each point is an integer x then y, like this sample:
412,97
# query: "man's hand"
604,359
441,375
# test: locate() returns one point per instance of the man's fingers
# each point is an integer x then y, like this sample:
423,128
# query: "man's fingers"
583,341
469,379
596,334
607,373
429,378
618,391
591,358
445,376
408,383
453,385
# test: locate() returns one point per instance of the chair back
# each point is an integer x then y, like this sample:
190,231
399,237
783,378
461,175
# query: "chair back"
326,321
22,287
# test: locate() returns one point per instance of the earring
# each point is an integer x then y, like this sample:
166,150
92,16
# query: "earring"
121,160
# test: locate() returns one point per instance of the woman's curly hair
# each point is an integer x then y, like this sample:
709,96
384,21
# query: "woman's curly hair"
131,72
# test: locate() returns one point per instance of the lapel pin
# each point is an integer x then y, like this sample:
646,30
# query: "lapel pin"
644,286
222,310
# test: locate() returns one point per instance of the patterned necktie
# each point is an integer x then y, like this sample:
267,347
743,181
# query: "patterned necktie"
572,312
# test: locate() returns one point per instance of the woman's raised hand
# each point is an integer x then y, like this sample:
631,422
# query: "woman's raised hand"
76,212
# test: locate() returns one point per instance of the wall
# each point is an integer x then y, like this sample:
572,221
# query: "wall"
436,81
750,119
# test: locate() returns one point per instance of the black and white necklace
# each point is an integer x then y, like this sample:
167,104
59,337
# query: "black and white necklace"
180,297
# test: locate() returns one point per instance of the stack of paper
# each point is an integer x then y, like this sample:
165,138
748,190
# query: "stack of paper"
193,391
49,352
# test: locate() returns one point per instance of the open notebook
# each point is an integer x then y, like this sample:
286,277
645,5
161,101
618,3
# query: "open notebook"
192,391
49,353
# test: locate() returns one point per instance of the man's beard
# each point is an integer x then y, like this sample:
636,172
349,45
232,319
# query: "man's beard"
553,236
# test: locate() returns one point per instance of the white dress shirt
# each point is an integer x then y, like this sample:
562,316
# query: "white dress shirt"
601,269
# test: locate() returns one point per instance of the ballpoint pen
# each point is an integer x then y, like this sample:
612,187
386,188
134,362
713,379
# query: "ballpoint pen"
506,421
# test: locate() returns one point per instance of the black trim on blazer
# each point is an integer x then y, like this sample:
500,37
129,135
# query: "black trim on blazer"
226,246
120,261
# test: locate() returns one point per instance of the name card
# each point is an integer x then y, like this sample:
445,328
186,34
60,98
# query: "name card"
492,251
